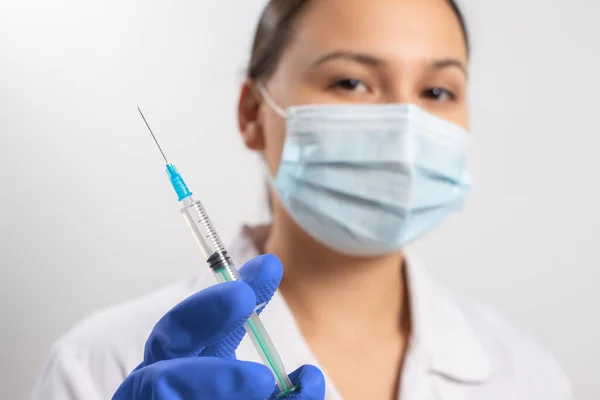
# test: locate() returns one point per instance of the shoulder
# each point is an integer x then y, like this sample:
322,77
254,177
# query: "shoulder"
129,319
517,357
94,357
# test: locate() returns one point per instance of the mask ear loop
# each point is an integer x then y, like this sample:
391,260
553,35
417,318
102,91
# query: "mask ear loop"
263,91
263,164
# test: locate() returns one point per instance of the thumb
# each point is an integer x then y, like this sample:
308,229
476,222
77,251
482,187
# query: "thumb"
310,382
263,274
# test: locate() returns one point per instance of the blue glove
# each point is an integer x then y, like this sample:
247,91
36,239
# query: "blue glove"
190,353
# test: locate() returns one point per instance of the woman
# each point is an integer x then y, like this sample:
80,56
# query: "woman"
359,109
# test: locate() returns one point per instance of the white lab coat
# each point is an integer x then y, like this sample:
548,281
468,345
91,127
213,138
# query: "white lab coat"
459,350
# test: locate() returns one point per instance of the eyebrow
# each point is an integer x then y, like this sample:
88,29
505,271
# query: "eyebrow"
373,61
448,63
349,55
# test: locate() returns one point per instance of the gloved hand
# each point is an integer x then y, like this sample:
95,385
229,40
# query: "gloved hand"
190,353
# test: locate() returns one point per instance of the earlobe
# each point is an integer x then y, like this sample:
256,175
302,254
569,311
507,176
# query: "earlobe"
253,137
249,121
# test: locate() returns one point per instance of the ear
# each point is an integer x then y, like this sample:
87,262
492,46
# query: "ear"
249,117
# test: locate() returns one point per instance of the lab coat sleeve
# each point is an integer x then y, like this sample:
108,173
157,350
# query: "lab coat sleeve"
65,378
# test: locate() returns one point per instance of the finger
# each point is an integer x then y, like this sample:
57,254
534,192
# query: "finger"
262,274
196,378
199,321
310,382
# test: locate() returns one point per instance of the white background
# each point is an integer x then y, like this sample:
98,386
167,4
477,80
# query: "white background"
87,217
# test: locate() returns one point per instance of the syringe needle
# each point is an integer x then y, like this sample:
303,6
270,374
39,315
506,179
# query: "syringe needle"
152,133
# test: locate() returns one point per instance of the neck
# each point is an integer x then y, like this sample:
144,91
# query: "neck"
329,292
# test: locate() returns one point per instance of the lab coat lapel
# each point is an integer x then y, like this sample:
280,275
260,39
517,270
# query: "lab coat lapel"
414,382
444,351
449,390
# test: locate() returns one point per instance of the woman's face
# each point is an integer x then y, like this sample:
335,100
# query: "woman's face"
363,51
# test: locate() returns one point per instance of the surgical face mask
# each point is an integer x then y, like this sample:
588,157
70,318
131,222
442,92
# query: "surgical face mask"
369,179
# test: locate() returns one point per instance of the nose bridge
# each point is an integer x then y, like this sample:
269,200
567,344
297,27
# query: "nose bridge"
400,88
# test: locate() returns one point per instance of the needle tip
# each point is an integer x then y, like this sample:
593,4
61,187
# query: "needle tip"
153,137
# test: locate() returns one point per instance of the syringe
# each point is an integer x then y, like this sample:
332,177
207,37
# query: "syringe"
224,269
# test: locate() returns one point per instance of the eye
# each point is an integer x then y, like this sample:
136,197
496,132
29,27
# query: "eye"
439,94
350,85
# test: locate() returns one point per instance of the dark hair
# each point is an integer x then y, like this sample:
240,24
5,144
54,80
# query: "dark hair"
275,30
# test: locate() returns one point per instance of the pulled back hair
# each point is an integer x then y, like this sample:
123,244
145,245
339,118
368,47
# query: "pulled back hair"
275,30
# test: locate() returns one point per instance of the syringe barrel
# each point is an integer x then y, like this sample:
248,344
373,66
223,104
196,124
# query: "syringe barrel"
202,228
